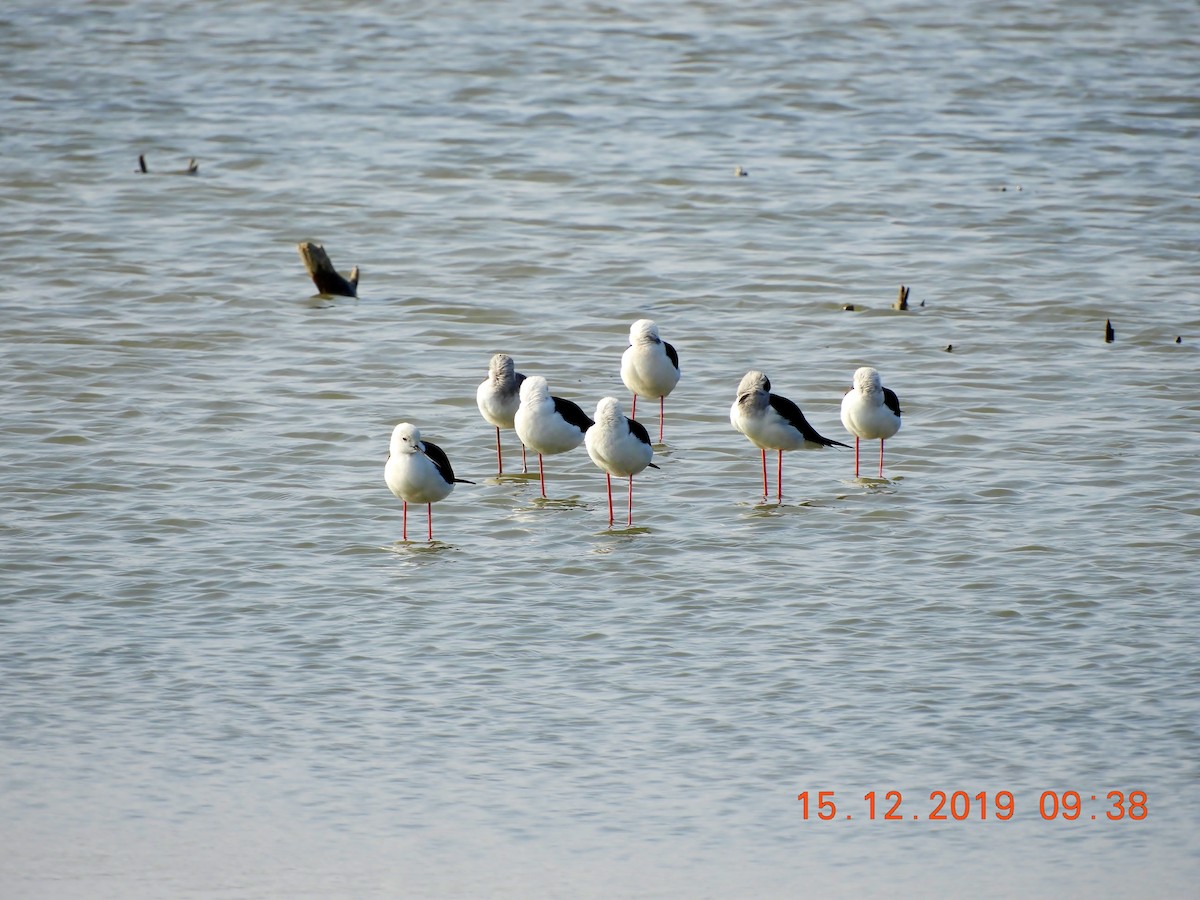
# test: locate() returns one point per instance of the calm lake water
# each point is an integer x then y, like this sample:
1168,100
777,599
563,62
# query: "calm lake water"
223,674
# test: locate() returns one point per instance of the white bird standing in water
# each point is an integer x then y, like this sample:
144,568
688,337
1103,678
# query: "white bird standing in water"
772,422
650,366
498,399
418,471
620,446
870,411
547,424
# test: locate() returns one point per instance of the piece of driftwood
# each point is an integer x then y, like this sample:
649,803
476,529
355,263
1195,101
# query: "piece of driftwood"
902,300
1109,334
323,274
193,167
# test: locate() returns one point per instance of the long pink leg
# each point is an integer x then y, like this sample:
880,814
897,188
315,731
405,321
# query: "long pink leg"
429,518
856,456
404,527
499,459
630,501
608,481
660,418
881,457
779,478
542,475
633,412
764,456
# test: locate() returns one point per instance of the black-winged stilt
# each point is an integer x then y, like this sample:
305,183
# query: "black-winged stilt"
620,446
418,471
772,422
649,366
498,398
547,424
870,411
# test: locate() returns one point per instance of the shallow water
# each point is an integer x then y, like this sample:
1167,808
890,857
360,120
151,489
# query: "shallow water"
224,674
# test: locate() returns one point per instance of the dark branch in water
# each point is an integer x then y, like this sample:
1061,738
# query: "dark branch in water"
193,167
902,300
323,274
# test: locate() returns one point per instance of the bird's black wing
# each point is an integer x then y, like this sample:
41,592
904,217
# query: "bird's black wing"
891,401
671,355
519,378
638,430
441,462
791,412
572,414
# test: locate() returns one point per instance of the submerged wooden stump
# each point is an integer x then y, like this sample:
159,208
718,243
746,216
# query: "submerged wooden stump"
323,274
192,167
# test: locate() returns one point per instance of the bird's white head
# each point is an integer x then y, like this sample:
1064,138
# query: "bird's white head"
608,411
866,380
501,367
753,382
643,331
405,439
534,388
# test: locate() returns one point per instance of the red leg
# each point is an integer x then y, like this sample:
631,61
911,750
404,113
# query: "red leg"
608,481
881,457
429,519
660,418
404,527
779,478
630,501
633,412
499,459
856,456
542,475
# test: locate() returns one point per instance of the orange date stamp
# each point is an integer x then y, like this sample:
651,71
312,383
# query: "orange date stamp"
960,806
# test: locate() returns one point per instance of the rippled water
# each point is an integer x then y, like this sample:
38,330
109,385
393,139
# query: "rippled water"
224,674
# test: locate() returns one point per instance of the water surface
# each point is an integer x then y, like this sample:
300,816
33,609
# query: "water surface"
224,674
